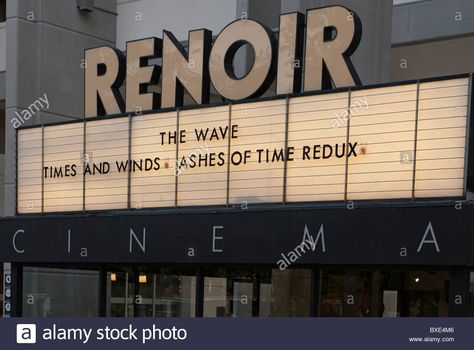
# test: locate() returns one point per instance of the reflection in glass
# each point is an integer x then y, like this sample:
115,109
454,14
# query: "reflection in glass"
257,292
141,295
166,293
291,291
232,292
215,297
242,299
49,292
117,283
358,293
265,304
175,296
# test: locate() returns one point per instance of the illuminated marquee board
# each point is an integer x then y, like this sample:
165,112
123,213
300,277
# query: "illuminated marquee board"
405,141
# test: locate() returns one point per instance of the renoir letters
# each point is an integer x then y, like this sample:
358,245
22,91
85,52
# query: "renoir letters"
332,35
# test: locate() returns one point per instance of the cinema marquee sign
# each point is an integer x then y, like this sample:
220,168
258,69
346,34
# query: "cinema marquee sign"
386,142
405,141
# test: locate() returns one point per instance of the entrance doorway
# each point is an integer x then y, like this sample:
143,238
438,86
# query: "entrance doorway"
165,292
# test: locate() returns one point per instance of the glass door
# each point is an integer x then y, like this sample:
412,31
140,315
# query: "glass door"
260,292
231,292
151,293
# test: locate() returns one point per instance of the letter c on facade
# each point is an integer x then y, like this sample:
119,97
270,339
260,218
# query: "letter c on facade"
14,242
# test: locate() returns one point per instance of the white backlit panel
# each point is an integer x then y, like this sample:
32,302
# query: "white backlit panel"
30,170
382,129
202,160
63,180
154,151
317,130
442,122
257,152
107,157
392,146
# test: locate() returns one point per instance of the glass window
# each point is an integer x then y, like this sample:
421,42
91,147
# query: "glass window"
345,293
175,295
162,292
142,295
49,292
117,291
291,292
230,292
358,293
257,292
424,294
215,297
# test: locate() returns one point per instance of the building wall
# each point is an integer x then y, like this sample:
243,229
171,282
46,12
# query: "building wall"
145,18
432,38
3,41
46,41
429,59
432,20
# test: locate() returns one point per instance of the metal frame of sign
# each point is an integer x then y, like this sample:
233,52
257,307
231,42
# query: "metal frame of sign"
469,148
